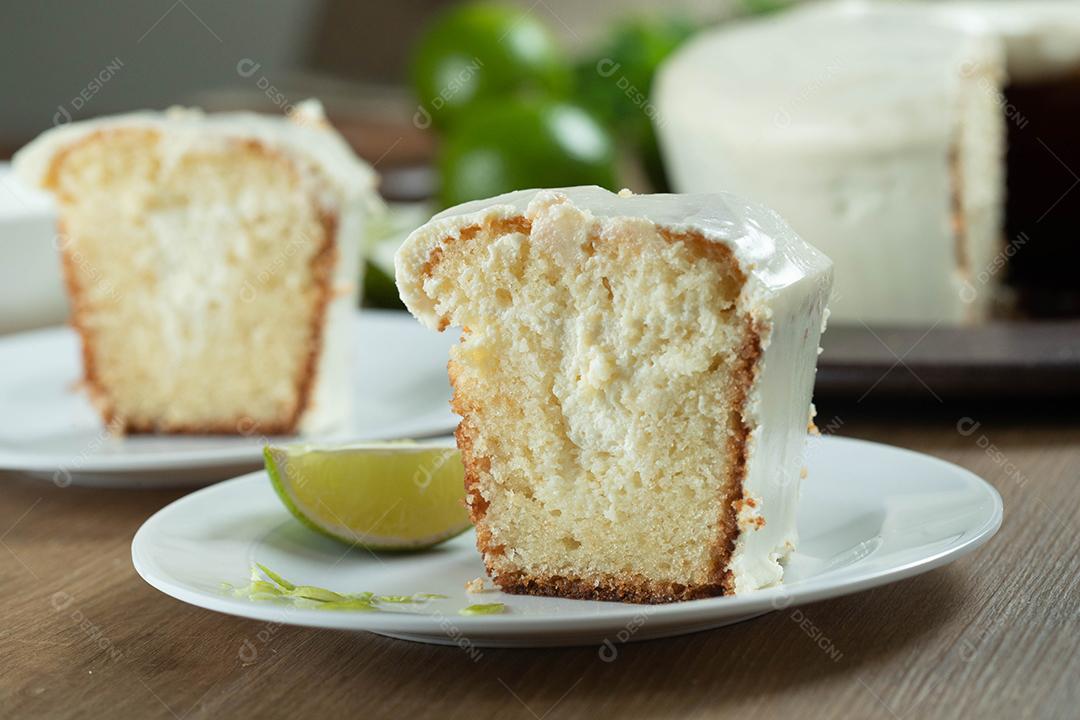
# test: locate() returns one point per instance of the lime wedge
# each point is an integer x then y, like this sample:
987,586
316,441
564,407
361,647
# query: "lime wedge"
380,496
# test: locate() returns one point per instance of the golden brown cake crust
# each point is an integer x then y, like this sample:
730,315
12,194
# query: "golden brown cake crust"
321,266
630,588
745,374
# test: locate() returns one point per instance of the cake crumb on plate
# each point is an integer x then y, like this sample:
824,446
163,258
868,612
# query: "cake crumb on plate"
476,585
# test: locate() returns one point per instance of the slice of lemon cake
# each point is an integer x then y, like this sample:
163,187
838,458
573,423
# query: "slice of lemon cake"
634,381
212,264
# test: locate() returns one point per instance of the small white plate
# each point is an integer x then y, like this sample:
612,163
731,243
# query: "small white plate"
49,429
870,514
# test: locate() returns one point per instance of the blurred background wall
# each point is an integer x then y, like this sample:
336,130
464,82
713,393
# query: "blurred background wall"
97,57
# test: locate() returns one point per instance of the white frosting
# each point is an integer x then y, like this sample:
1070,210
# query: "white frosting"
846,118
343,184
306,134
787,285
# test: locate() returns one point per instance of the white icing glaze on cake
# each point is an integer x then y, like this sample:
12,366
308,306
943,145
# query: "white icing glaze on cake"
870,129
787,286
304,134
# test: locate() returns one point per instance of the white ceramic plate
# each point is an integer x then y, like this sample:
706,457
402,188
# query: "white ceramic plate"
870,514
48,427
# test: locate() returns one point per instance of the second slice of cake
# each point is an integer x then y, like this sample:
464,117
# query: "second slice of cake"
634,381
212,264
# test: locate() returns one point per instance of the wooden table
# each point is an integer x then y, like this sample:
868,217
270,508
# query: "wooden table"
995,634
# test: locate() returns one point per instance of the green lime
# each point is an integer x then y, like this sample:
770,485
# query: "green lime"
616,84
480,51
524,143
381,496
617,78
766,7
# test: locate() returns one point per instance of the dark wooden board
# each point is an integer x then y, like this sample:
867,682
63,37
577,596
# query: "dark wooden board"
997,359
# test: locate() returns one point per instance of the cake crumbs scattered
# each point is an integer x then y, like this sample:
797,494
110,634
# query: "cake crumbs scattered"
476,585
803,472
747,514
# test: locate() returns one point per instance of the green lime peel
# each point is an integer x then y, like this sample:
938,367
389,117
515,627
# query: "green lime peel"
267,585
483,609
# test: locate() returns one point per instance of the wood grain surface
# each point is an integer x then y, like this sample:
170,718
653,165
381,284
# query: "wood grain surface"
995,634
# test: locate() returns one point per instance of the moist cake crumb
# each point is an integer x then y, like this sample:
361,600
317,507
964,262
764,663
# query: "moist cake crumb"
608,340
476,585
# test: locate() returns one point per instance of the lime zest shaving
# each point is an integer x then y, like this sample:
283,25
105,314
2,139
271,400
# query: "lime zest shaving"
483,609
350,604
267,585
310,592
401,599
262,587
275,577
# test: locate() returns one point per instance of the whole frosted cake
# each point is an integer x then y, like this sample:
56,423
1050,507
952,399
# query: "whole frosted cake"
634,381
212,264
870,128
928,148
